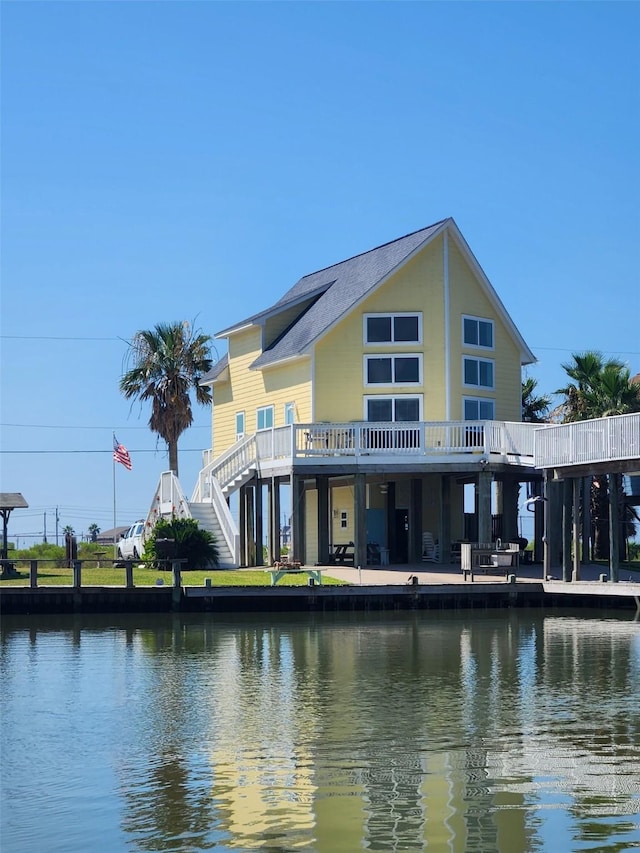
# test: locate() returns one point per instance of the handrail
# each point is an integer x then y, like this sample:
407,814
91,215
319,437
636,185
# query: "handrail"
226,520
232,462
589,441
168,501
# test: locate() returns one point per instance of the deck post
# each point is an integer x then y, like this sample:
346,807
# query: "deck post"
576,528
614,528
298,517
415,525
242,524
33,574
484,506
586,519
322,487
444,531
566,529
274,520
259,532
360,520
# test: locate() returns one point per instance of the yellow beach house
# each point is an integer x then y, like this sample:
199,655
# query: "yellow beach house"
377,391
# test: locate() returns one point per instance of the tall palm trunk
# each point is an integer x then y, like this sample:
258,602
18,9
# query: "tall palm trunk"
173,456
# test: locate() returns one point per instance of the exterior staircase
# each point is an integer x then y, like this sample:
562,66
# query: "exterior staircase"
207,519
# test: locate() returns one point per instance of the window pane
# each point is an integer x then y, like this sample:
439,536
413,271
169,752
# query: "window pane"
485,333
470,371
486,410
486,374
407,409
405,329
407,370
379,410
289,416
265,418
379,370
470,332
240,423
471,410
378,329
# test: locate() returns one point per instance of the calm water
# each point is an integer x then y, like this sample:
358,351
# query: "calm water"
464,733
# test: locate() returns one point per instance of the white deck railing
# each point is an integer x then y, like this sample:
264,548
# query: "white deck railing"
434,439
585,442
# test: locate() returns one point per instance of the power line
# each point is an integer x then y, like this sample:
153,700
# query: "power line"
110,452
56,338
65,426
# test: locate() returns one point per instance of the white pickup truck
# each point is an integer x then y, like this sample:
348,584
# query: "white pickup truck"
131,546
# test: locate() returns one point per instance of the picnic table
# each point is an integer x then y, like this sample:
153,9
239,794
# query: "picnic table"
343,553
281,569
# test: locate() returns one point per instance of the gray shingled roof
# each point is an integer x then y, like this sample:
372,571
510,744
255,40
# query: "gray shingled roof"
215,371
340,286
337,289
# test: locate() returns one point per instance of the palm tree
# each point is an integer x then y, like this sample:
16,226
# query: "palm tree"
585,396
600,388
93,531
535,408
168,363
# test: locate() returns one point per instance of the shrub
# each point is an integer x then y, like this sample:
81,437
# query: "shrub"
196,546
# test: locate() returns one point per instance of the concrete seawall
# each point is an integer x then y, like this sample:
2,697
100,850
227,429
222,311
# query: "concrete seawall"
53,600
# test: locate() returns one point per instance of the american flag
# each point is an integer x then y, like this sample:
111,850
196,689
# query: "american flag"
121,454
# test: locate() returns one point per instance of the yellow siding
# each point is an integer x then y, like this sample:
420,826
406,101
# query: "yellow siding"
341,501
337,367
339,379
467,298
248,390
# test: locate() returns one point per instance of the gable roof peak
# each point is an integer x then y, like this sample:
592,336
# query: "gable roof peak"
427,228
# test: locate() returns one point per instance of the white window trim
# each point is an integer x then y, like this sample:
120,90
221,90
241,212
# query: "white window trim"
482,347
368,343
265,409
479,400
476,358
418,397
393,357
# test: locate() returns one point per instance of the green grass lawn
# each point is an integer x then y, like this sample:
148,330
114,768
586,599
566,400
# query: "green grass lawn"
55,576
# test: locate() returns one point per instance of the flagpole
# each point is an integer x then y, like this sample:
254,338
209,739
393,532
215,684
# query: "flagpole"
114,501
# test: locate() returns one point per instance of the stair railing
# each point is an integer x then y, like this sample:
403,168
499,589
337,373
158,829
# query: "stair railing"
225,468
225,519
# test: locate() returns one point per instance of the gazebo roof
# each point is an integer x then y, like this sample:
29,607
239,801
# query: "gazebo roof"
12,500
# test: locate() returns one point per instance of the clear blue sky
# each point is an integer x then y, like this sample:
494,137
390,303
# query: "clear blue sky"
178,160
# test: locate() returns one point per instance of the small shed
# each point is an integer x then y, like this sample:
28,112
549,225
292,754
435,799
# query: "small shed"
8,502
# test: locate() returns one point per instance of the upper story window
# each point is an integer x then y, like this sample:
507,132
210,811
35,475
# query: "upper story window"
477,332
401,408
289,413
479,409
393,370
239,425
393,328
264,418
478,372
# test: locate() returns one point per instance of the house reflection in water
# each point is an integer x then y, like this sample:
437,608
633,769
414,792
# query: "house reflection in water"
445,733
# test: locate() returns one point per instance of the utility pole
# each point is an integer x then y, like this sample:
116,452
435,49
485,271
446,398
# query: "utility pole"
45,527
57,520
